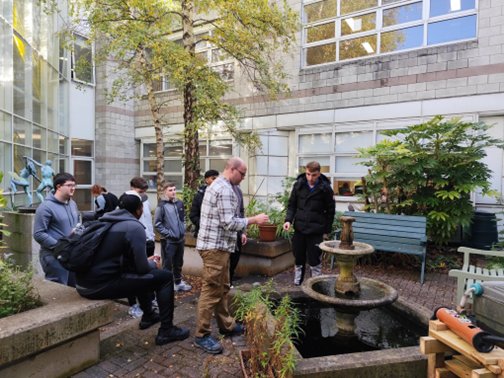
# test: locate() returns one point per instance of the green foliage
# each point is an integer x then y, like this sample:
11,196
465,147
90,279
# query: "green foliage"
259,312
443,262
498,262
429,170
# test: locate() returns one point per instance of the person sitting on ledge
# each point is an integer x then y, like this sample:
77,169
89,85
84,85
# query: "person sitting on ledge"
121,268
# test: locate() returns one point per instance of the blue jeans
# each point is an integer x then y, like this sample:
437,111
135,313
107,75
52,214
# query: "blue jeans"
55,272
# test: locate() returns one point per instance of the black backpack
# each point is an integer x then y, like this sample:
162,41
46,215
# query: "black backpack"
75,252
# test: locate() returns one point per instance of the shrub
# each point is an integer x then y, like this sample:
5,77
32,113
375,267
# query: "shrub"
429,170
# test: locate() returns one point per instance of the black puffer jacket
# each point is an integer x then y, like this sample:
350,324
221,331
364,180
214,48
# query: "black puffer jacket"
311,212
194,214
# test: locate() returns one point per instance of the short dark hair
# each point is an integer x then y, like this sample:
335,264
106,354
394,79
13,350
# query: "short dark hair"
211,172
168,185
130,202
139,183
61,178
313,166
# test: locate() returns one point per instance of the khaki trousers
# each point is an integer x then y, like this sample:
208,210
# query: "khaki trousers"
213,298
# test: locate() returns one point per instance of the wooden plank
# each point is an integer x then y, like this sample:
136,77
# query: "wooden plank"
496,369
434,361
412,218
458,368
444,373
388,231
391,247
451,339
500,363
429,345
473,364
399,225
437,325
391,239
482,373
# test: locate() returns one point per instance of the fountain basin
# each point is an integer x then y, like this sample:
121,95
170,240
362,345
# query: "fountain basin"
358,250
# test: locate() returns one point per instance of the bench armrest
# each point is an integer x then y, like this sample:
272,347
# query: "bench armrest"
424,239
471,251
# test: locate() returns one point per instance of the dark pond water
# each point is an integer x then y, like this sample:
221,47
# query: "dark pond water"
376,329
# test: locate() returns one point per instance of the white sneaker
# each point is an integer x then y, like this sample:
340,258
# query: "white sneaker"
182,286
155,304
135,311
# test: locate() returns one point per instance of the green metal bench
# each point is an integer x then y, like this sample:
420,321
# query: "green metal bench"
391,233
470,274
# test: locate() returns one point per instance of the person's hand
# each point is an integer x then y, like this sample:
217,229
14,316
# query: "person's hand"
324,236
262,218
157,259
286,226
244,239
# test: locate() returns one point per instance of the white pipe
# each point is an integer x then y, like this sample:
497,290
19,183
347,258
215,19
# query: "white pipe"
463,301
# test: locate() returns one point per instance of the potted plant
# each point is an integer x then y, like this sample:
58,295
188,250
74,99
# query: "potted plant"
270,326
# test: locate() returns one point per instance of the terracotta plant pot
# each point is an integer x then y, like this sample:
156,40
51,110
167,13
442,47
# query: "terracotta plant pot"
244,357
267,233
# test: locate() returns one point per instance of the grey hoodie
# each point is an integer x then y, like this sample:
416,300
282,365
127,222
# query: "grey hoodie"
169,220
53,220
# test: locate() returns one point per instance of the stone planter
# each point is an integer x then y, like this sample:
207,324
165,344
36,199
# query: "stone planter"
265,259
58,339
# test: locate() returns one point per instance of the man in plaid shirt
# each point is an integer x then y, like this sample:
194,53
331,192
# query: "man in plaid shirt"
219,224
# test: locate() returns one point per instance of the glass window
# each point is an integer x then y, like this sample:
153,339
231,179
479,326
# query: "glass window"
172,166
22,10
63,106
203,56
177,180
83,198
358,24
63,164
52,98
321,10
314,143
347,142
63,61
170,150
149,150
22,82
322,160
399,15
22,131
149,166
82,63
63,145
320,54
320,32
200,42
81,147
151,180
6,64
39,137
347,186
83,172
221,148
451,30
39,156
348,164
402,39
5,163
219,55
440,7
5,127
358,47
202,148
52,142
349,6
55,161
218,164
39,88
225,71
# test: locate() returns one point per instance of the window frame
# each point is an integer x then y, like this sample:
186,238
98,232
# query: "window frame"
73,74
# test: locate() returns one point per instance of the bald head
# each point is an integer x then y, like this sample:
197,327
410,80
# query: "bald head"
235,170
234,162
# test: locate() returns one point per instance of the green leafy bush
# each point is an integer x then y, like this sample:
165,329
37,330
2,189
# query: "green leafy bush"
429,170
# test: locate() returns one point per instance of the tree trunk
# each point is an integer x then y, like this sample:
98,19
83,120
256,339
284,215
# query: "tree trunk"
191,137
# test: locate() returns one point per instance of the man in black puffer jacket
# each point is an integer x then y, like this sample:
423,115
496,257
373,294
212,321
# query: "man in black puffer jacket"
194,214
311,208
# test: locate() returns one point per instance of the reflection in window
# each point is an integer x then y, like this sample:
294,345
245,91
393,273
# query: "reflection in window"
320,32
5,163
349,6
150,166
39,156
202,148
349,164
64,90
82,61
37,75
19,160
172,166
52,142
83,198
358,24
22,61
149,150
358,47
63,143
321,54
221,148
399,15
83,172
314,143
218,164
177,180
402,39
63,164
151,181
39,137
347,186
81,147
5,127
451,30
225,71
440,7
322,9
5,62
22,131
52,98
322,160
170,150
347,142
55,161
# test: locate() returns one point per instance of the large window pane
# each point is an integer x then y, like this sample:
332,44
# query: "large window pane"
322,160
52,98
151,181
83,172
221,148
402,39
82,64
63,164
440,7
63,61
320,32
172,166
170,150
22,77
347,187
348,164
5,163
314,143
63,145
5,65
81,147
202,148
149,166
52,142
55,161
5,127
219,55
225,71
37,87
149,150
177,180
39,137
22,19
347,142
321,54
22,132
83,198
399,15
358,24
451,30
218,164
358,47
39,156
320,10
349,6
63,106
19,160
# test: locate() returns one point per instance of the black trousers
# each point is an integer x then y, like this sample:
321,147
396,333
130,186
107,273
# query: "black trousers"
141,285
304,246
173,258
235,258
150,247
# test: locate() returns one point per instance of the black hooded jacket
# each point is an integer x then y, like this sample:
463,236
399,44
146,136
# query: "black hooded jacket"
311,212
194,214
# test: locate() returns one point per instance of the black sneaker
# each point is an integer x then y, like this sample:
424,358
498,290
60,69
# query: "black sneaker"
149,321
166,336
237,331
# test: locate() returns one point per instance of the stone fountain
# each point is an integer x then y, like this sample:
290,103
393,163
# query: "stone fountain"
345,292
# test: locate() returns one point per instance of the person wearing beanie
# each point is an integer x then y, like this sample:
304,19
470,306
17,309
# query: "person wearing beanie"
121,268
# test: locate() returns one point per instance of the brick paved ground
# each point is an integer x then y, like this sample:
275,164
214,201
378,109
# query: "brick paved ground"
128,352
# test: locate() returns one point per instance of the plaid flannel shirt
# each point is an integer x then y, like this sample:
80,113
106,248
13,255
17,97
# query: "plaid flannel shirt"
219,220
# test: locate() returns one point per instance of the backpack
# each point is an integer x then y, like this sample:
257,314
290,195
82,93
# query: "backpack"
75,252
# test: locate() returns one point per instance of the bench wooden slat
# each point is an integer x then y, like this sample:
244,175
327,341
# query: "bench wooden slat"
400,223
407,218
362,230
388,238
382,226
392,247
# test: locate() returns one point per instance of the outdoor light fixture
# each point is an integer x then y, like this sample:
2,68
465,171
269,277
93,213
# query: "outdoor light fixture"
455,5
354,24
367,47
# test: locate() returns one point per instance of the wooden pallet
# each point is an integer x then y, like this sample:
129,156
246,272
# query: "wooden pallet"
466,361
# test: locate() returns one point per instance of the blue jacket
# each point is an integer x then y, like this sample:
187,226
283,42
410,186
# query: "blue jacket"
53,220
169,220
